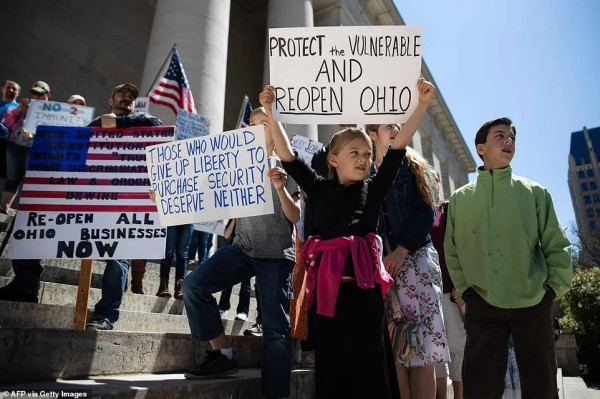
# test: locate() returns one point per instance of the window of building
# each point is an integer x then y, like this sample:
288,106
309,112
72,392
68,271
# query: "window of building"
581,174
592,225
590,212
584,186
596,197
597,211
590,172
587,199
593,185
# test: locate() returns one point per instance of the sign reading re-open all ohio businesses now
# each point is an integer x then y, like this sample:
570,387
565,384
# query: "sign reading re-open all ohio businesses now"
85,195
354,74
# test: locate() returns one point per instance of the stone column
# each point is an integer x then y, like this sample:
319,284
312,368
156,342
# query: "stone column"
290,14
201,30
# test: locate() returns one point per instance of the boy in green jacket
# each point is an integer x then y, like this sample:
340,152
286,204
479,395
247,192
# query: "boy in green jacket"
509,259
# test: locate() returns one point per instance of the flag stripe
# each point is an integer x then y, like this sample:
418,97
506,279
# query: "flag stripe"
86,208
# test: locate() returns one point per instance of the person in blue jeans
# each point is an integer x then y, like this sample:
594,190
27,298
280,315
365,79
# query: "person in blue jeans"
200,244
178,241
263,247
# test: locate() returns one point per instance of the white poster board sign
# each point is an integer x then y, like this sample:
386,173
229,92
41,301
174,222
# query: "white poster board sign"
85,195
188,124
52,113
305,147
215,227
207,178
345,74
142,104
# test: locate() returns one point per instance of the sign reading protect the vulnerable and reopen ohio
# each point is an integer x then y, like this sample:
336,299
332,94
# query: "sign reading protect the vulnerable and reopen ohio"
354,74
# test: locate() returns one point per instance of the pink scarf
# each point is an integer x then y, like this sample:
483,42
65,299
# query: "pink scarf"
368,267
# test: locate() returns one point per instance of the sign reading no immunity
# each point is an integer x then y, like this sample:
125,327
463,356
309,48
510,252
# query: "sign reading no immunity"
357,74
212,177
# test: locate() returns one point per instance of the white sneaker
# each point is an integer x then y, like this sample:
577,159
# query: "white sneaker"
241,316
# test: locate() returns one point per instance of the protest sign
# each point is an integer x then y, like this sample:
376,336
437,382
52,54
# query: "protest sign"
188,124
219,176
142,104
345,74
305,147
85,195
56,114
215,227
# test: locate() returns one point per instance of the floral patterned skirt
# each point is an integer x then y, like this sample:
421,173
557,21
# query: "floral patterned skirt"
418,286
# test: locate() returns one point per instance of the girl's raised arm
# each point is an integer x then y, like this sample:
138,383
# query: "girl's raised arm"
282,143
426,90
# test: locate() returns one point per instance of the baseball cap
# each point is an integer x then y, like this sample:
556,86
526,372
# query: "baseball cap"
40,87
126,87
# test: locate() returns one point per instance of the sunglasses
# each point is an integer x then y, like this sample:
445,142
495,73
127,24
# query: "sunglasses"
37,93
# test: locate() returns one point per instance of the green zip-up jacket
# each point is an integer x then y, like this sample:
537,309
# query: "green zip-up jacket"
503,239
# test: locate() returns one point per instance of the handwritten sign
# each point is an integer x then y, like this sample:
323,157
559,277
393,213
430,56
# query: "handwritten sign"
142,104
216,227
56,114
305,147
85,195
354,74
219,176
188,124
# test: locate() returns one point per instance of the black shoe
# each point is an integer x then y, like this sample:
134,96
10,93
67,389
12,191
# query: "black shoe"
9,293
255,330
216,364
99,324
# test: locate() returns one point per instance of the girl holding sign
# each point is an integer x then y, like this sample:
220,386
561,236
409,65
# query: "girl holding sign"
343,256
413,262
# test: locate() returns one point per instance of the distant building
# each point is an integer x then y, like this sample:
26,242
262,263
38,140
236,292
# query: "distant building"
584,178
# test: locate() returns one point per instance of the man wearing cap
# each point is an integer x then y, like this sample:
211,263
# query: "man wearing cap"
106,313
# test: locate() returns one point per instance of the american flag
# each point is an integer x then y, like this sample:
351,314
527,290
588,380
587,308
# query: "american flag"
78,169
245,113
173,90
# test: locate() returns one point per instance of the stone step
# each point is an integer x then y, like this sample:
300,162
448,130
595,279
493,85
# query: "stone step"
66,271
40,315
576,388
243,385
35,354
63,294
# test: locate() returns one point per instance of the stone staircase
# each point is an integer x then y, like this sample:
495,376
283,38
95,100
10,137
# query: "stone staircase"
143,357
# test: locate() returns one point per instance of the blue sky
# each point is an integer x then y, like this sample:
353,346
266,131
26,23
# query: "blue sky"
536,62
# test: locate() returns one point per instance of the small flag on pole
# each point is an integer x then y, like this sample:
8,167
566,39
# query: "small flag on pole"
173,89
244,119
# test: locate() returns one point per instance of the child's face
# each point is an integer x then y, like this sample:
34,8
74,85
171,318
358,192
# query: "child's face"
261,119
384,137
353,162
499,149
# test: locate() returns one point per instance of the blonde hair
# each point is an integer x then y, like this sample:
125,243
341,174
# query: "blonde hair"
340,139
259,110
423,172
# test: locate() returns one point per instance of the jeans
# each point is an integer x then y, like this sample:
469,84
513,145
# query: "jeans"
17,157
27,275
178,241
113,286
244,298
201,243
229,266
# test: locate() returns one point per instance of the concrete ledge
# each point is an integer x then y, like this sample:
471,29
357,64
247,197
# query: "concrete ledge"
245,384
45,354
